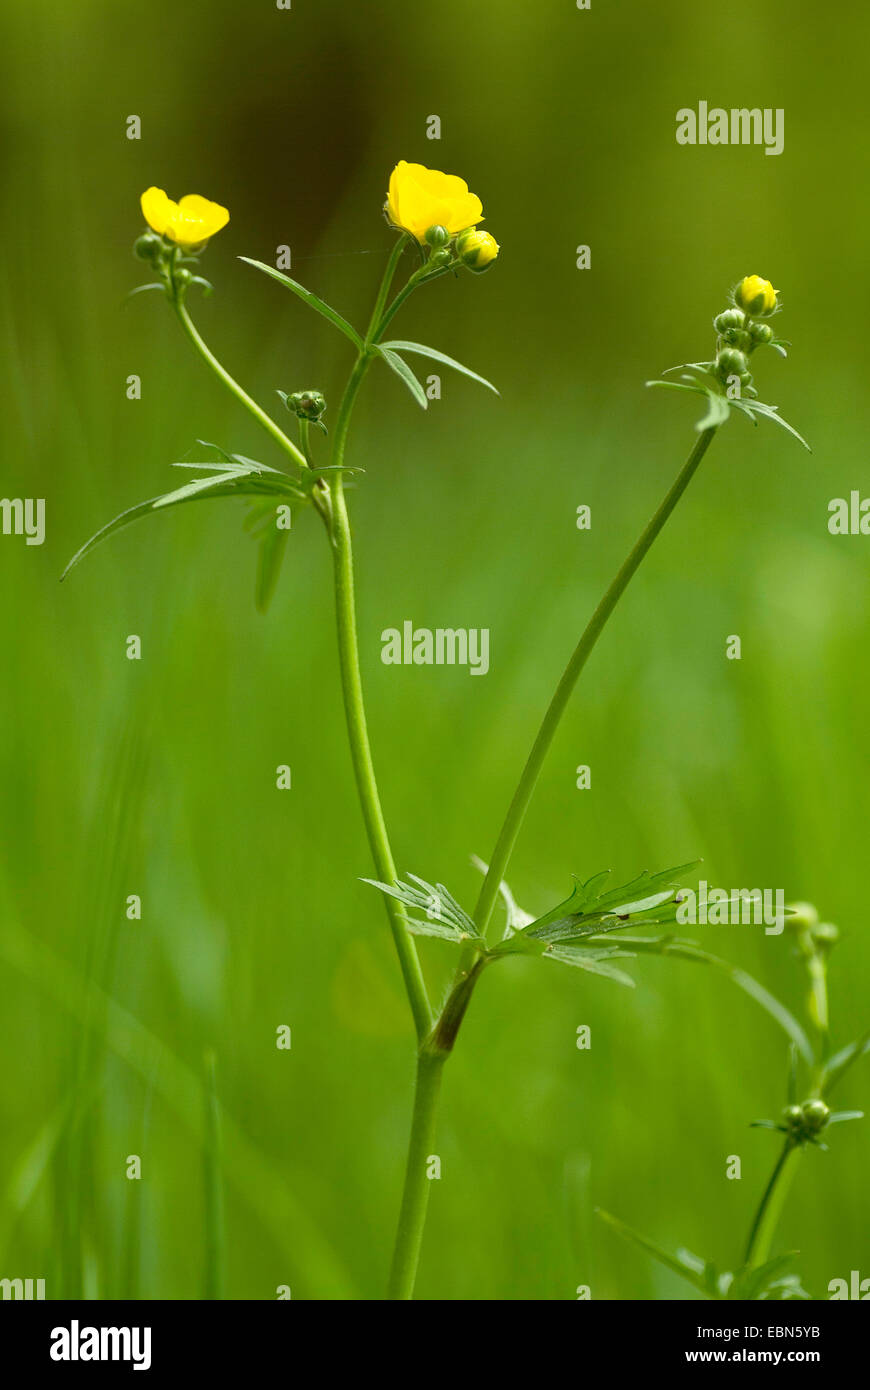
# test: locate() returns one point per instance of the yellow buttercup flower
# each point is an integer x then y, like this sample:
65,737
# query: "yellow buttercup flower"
420,198
476,249
755,296
189,222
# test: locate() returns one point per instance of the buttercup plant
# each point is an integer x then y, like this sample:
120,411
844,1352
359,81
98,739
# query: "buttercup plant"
803,1124
437,219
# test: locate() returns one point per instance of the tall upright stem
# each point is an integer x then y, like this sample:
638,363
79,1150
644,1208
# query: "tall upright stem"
351,681
523,794
771,1205
361,756
415,1194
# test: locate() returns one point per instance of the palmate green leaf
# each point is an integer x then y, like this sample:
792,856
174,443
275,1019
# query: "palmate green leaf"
565,934
311,299
404,373
719,405
401,346
589,910
596,962
228,480
718,410
444,917
769,412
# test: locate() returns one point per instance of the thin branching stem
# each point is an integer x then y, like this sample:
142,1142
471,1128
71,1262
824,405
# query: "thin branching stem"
770,1207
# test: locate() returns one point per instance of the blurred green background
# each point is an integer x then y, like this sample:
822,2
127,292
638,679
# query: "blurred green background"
157,777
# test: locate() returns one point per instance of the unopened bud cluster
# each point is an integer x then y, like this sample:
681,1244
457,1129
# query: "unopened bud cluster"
307,405
813,938
740,331
804,1123
164,257
474,249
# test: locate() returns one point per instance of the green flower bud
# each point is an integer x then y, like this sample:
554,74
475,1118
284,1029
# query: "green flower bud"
437,236
792,1114
760,333
182,277
732,362
815,1115
802,917
738,338
477,250
437,259
825,936
148,247
308,405
729,320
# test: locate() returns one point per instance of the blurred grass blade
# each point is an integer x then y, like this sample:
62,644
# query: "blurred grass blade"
273,544
664,1258
307,1254
213,1272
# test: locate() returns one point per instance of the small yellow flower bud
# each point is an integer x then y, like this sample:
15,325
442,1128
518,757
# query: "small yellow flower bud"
476,249
755,296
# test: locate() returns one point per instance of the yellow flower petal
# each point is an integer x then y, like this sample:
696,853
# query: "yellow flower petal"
157,209
189,222
420,198
756,295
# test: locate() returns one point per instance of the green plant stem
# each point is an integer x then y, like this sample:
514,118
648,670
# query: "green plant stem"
817,969
523,794
771,1205
430,1057
384,289
415,1195
361,756
233,386
414,283
351,680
